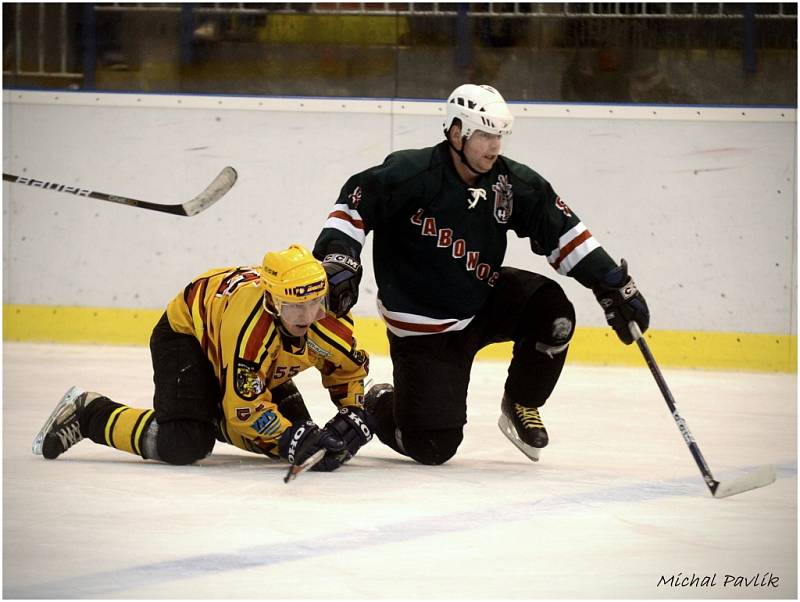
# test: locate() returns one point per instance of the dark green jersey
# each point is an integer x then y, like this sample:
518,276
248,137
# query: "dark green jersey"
439,243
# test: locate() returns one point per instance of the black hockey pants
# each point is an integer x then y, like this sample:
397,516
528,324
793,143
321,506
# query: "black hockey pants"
187,402
187,396
431,372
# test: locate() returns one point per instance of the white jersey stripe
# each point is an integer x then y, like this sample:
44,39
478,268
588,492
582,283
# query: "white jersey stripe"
573,246
565,239
347,220
353,213
348,228
409,325
577,254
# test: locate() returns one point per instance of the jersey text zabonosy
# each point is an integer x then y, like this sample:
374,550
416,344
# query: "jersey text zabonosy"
439,243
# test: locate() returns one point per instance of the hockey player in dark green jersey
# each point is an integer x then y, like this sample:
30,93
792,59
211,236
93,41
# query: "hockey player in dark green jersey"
440,218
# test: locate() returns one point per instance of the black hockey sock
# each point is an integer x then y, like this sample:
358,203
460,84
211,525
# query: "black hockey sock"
540,348
110,423
533,375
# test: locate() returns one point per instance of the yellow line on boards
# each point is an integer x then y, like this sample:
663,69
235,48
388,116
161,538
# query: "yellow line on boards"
675,348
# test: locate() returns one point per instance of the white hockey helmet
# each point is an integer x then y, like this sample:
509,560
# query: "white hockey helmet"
478,108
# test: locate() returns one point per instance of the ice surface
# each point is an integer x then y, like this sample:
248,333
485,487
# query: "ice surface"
615,504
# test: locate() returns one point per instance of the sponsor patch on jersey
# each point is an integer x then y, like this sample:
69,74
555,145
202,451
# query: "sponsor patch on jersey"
267,424
317,350
503,199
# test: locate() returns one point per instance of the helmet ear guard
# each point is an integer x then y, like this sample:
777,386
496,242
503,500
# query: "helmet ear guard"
478,108
269,304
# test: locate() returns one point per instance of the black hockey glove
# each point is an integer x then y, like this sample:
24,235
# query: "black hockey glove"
344,275
301,441
354,427
622,302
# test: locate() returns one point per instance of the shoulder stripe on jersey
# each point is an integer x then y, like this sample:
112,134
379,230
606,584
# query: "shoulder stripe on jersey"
335,327
273,332
195,301
257,336
253,334
326,336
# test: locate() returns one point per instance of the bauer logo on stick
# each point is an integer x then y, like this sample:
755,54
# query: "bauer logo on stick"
53,186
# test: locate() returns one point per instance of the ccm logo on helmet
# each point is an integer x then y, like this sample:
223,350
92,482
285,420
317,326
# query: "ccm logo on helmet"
305,289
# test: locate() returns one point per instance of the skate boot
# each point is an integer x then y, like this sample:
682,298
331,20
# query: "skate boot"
377,395
62,429
523,427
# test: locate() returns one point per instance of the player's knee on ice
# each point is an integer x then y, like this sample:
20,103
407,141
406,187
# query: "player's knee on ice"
432,447
184,441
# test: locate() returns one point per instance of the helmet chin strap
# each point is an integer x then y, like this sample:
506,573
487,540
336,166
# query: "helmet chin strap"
463,157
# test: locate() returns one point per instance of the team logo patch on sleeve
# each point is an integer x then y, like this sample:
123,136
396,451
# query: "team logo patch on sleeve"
354,198
563,207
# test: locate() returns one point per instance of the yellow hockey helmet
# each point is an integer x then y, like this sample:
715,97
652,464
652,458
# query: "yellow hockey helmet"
293,276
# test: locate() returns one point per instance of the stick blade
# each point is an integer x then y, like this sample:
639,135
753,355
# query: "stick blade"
212,193
762,476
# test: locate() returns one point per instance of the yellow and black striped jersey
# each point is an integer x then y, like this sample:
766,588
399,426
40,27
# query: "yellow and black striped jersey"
223,309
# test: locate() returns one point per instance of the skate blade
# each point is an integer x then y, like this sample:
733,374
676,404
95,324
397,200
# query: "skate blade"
511,434
68,398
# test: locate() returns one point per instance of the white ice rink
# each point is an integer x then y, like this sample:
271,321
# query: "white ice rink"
616,503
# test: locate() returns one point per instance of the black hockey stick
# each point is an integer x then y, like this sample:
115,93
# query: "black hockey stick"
764,475
212,193
296,469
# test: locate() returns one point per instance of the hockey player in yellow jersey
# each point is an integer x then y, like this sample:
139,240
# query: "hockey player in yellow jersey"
224,354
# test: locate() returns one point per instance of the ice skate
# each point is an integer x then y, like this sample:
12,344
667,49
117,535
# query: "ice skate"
523,427
61,430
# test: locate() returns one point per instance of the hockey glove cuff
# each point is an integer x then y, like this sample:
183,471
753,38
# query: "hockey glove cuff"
344,276
354,427
622,302
301,441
